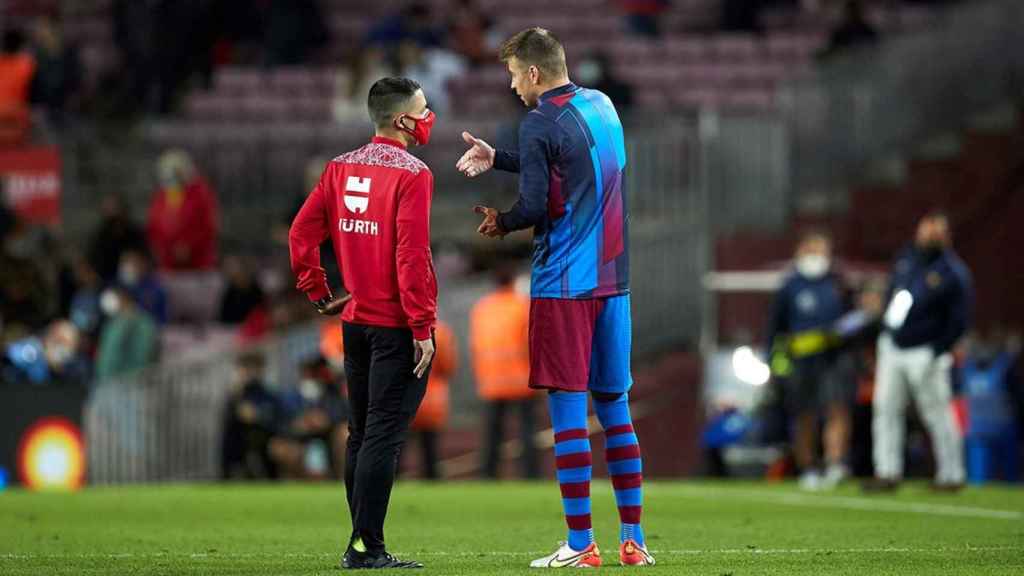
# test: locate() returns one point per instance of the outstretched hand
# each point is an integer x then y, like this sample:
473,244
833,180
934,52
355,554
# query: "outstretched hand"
478,159
489,227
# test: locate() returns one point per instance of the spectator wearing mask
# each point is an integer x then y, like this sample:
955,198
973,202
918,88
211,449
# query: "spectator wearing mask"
432,416
808,306
135,276
252,417
499,344
311,441
595,72
243,293
129,339
115,234
928,310
183,216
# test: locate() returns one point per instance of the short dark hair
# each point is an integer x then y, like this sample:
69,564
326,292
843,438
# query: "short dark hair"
810,234
936,214
536,47
13,40
387,97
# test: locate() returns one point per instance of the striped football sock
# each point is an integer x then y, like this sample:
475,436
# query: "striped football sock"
622,452
573,460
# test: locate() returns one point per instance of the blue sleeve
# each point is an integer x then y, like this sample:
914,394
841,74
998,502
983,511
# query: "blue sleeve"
536,148
960,310
507,161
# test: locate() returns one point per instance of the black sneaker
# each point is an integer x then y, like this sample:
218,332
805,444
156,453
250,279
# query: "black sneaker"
353,560
879,485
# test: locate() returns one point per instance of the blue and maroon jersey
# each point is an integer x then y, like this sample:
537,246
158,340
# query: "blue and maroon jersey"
571,192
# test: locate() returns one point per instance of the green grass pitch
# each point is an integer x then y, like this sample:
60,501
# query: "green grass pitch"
708,528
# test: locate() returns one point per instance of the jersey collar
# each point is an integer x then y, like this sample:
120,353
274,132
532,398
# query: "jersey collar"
560,91
388,141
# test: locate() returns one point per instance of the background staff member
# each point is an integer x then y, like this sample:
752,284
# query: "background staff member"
374,203
810,302
929,308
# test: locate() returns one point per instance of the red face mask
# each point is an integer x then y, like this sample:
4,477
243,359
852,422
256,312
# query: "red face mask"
421,126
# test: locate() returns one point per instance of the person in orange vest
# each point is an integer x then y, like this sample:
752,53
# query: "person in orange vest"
17,68
499,337
432,415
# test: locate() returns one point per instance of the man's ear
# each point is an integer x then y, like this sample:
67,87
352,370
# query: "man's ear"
534,74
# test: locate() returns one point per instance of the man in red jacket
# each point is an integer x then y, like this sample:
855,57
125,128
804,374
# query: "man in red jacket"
374,204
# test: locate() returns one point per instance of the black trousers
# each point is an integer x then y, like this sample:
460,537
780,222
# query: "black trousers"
496,432
384,395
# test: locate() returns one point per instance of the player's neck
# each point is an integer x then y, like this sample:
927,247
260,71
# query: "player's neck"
393,134
556,83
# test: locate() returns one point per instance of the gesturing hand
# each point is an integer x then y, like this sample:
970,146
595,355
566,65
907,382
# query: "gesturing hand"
424,354
489,227
333,306
478,159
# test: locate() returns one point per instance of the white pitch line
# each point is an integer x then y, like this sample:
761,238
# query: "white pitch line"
494,553
853,503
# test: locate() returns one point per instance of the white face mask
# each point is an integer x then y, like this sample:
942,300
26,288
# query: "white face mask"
812,265
310,390
110,303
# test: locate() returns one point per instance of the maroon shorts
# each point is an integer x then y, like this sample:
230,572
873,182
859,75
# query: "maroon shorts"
580,345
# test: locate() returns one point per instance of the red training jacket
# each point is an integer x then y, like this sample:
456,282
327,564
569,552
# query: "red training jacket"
374,202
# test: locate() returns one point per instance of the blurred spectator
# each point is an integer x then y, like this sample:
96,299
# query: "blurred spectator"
57,359
642,16
415,22
84,311
59,70
26,296
251,418
432,68
367,66
295,29
854,30
134,29
741,15
595,71
129,339
471,32
115,233
993,393
183,216
811,301
311,442
432,416
499,344
17,68
136,277
242,294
